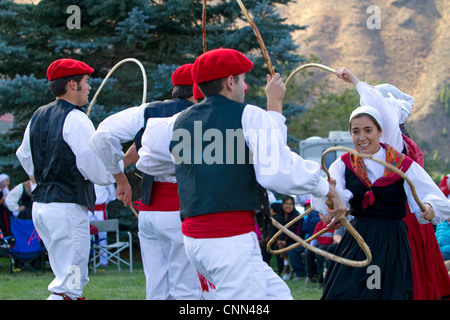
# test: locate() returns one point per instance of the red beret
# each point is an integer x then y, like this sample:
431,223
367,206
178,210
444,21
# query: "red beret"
196,91
183,76
220,63
67,67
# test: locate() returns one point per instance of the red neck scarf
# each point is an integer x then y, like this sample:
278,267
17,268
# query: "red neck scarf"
356,164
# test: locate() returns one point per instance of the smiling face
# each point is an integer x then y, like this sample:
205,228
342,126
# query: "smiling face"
365,134
288,205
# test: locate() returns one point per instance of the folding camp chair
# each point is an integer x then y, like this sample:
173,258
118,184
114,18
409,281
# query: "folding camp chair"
112,250
26,249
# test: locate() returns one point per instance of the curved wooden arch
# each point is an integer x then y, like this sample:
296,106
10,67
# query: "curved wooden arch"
144,76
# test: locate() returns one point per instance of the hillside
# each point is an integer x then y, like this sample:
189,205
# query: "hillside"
411,49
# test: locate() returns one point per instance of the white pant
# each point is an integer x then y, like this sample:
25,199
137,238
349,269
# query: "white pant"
64,230
168,272
235,266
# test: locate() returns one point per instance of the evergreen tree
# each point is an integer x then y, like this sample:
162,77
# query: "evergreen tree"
161,34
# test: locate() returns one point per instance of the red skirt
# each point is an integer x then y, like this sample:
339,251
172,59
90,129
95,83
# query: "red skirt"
430,277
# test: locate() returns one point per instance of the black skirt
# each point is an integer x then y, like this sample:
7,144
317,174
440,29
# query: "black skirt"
389,275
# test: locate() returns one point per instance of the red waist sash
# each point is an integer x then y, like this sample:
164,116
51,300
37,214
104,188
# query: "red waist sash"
164,198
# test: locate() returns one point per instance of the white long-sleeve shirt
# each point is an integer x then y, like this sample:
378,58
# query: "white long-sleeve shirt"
276,166
13,197
77,131
115,130
104,194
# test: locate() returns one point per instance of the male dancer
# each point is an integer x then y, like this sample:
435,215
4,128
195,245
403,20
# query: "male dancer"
169,275
222,151
55,151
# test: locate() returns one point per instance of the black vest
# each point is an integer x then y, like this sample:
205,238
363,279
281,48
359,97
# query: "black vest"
57,176
389,203
25,200
157,109
216,174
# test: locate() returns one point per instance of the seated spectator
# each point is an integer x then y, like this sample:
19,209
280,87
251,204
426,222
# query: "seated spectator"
5,213
443,238
315,263
288,213
310,221
19,201
297,255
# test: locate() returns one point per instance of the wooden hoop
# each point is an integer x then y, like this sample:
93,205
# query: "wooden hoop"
258,36
204,25
144,96
326,254
305,66
305,243
144,76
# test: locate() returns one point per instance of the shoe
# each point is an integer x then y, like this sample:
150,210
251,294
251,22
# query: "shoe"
286,276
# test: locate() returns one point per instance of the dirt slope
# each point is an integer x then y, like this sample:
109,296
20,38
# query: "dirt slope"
411,49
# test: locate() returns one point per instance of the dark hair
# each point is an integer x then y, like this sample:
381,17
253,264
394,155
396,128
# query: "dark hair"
210,88
360,115
286,198
276,207
182,92
58,86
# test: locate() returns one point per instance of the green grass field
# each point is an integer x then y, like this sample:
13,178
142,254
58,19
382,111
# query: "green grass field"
107,284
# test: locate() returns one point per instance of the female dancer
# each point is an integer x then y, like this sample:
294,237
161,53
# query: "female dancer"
377,199
430,277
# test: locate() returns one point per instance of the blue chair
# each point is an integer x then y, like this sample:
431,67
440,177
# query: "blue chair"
26,249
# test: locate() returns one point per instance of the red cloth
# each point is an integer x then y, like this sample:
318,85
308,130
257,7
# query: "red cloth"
196,92
444,186
430,276
67,67
325,239
164,198
220,63
101,207
219,225
183,76
414,151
